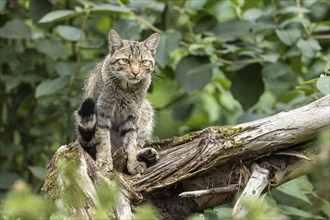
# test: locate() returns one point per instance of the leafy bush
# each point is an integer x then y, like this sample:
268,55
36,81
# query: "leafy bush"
218,62
22,203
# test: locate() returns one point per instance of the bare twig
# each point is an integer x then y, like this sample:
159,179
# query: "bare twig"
322,37
212,191
139,18
299,168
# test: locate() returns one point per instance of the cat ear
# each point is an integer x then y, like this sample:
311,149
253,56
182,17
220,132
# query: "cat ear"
151,43
115,41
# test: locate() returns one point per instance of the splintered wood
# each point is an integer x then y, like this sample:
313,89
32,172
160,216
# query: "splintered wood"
253,189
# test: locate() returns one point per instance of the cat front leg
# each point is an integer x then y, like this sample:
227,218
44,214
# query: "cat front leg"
148,155
133,165
128,131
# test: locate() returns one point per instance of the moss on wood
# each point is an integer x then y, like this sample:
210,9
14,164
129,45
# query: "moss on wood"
51,186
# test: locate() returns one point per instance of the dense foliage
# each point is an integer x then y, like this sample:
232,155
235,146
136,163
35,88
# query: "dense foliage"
218,63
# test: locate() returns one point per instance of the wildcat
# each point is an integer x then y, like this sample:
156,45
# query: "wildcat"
115,112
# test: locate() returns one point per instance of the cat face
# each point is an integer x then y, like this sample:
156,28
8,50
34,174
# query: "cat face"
130,60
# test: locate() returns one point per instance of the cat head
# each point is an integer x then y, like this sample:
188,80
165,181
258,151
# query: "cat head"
132,61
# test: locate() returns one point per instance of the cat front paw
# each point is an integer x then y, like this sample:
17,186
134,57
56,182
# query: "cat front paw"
136,167
103,165
148,155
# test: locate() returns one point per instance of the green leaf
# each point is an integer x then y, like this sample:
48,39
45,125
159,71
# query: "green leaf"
309,47
3,5
70,33
252,14
66,68
299,20
291,188
38,172
288,37
314,44
312,81
323,85
321,26
127,29
39,8
50,86
327,68
4,217
292,211
90,45
205,22
194,5
11,82
247,85
107,194
293,9
57,216
296,64
15,29
168,42
223,212
145,211
237,3
198,117
159,88
52,48
269,57
58,15
165,126
231,30
275,70
246,117
304,184
194,72
108,8
182,109
7,54
210,106
197,49
7,179
326,208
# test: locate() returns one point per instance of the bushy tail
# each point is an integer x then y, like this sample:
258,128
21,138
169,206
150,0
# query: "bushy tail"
86,125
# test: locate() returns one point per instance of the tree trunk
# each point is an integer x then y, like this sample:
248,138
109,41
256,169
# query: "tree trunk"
216,159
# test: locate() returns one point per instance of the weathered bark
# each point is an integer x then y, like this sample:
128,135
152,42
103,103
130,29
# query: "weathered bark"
215,157
255,186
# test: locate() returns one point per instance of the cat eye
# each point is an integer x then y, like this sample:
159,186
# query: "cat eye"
125,61
145,62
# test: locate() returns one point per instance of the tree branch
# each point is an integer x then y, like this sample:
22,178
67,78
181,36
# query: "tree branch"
215,146
215,157
212,191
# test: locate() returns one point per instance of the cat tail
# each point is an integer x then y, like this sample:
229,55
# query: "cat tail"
86,125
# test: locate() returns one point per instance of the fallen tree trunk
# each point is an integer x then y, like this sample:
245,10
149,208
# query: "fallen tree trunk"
215,157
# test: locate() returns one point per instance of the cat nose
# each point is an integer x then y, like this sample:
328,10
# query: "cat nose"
135,72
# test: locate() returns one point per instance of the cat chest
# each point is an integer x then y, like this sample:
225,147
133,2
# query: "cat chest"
122,111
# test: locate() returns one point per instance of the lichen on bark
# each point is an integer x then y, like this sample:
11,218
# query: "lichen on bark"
51,187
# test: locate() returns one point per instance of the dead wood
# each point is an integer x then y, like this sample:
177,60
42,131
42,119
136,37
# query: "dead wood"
215,157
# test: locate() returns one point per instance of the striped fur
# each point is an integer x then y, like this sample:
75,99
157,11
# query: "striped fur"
115,112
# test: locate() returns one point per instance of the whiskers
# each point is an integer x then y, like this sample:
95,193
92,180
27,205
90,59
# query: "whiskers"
124,76
157,76
116,75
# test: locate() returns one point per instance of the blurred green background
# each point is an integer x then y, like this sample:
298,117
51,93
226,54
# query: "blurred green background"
219,62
